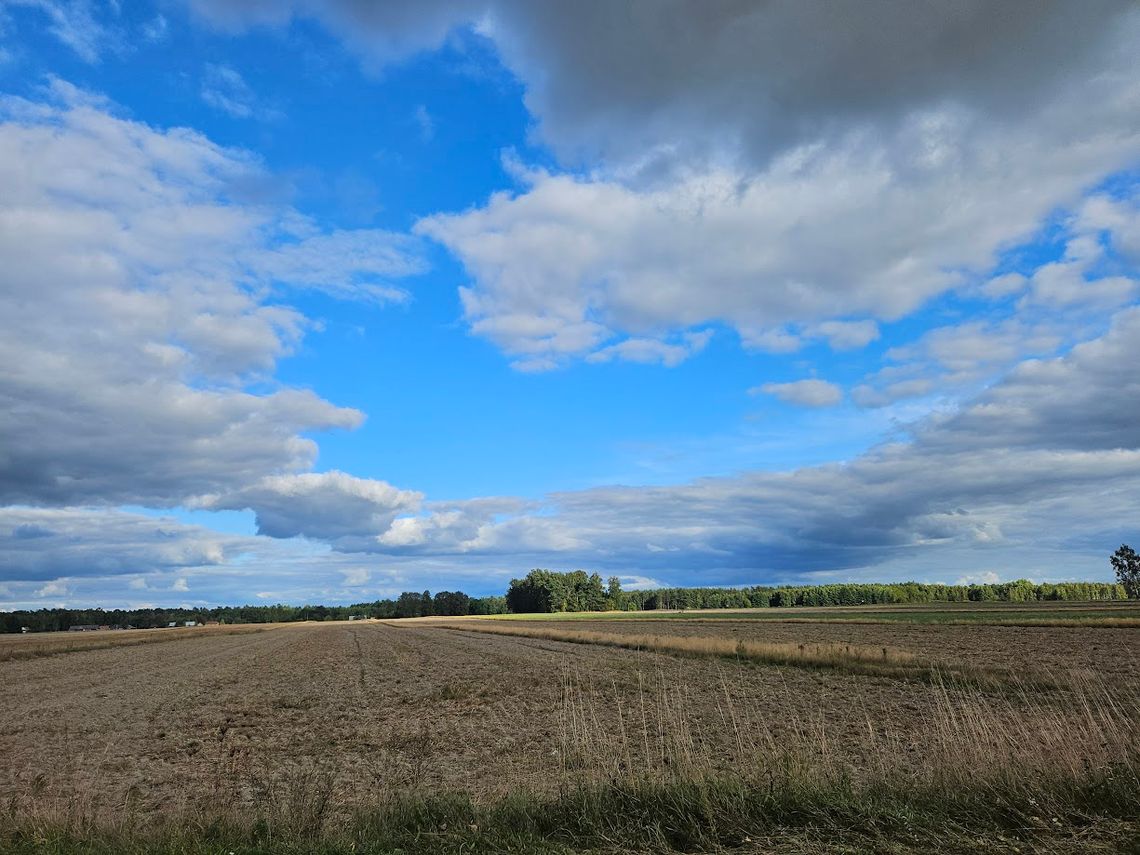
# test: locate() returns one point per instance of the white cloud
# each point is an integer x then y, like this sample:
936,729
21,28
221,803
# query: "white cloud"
1004,285
1049,450
731,174
610,82
805,393
224,89
424,122
137,307
42,543
156,29
846,335
346,511
356,577
54,588
360,264
1047,454
885,394
651,351
987,577
76,24
569,264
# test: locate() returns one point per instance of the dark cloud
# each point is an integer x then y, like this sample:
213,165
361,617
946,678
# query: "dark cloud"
1052,448
690,79
348,512
43,544
733,151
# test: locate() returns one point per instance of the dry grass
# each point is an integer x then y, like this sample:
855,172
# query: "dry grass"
36,645
968,734
1067,623
1019,773
847,658
421,738
1085,615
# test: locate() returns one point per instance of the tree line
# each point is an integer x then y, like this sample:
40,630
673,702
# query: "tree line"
408,604
576,591
547,591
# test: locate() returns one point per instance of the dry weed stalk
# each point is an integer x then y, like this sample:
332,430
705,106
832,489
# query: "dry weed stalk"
847,658
1010,739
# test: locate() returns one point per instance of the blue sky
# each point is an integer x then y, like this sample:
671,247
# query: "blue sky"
327,300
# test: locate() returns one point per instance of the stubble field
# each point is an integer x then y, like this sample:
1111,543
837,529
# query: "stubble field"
293,733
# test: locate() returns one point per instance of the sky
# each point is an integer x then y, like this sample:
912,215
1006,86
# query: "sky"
324,300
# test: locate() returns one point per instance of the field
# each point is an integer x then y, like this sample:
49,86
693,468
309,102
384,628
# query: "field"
687,732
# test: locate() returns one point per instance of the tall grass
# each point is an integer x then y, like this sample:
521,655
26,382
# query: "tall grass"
664,769
971,614
1018,771
846,658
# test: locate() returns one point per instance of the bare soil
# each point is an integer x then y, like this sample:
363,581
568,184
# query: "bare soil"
370,707
1109,651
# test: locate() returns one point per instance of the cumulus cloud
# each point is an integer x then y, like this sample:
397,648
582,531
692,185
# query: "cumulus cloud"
846,335
84,542
356,576
733,179
137,299
1051,448
648,350
958,358
346,511
730,171
567,265
805,393
54,588
613,81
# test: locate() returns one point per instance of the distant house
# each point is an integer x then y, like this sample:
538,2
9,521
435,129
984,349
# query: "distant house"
190,623
356,617
173,623
85,627
211,623
24,629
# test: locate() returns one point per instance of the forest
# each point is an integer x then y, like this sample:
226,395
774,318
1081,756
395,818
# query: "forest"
547,591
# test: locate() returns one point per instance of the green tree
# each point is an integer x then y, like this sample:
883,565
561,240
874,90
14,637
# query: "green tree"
613,591
410,604
451,603
1126,563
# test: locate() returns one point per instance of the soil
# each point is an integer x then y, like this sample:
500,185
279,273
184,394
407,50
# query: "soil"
371,707
1108,651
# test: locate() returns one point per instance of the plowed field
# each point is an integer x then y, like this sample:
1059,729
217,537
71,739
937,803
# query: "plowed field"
366,707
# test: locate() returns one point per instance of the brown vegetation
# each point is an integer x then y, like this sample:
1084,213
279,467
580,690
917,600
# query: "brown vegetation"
299,725
35,645
846,657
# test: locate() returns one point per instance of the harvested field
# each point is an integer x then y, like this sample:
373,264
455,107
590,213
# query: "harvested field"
1115,614
35,645
1109,651
307,722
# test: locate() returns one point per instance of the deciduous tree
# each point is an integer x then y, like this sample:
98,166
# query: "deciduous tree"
1126,563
